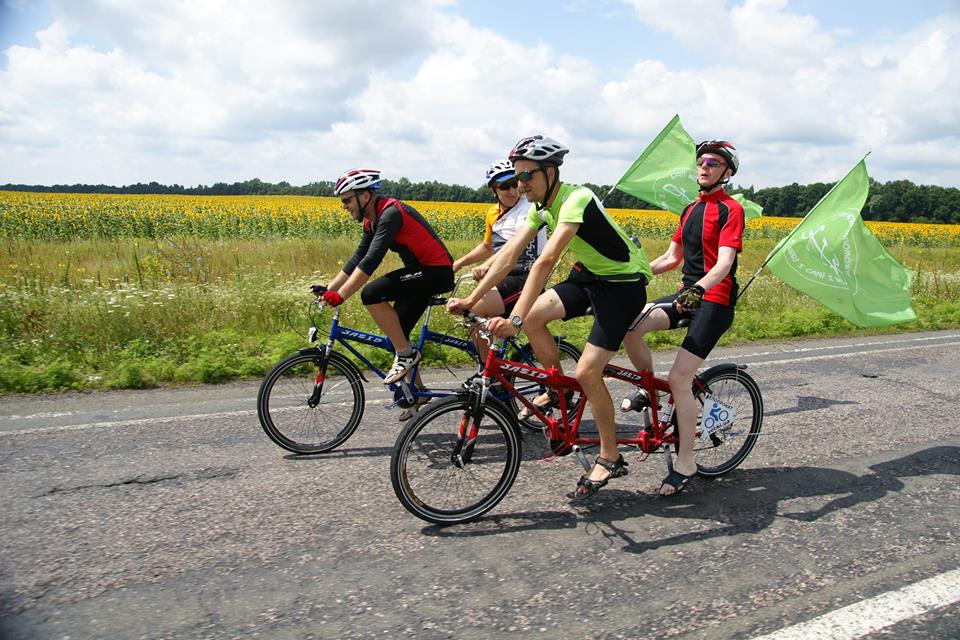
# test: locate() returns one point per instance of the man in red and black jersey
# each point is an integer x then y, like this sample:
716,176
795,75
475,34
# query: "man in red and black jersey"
390,225
707,241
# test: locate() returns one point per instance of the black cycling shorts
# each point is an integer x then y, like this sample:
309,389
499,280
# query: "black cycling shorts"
510,289
707,324
410,290
615,306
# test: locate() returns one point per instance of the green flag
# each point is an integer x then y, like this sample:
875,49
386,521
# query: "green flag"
665,174
832,257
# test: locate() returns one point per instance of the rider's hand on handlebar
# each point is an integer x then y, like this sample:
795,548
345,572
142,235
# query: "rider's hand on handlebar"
317,289
332,298
479,272
501,327
457,305
690,298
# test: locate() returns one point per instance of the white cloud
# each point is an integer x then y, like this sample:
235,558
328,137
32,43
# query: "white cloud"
210,91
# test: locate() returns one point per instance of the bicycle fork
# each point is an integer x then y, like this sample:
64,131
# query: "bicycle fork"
318,380
470,425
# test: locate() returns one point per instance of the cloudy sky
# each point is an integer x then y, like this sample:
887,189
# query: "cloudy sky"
116,92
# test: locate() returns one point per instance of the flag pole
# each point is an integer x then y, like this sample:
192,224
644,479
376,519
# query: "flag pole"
608,194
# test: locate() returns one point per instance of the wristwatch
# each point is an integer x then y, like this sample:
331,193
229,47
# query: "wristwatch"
516,321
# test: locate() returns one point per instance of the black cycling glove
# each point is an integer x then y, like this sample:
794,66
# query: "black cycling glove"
691,297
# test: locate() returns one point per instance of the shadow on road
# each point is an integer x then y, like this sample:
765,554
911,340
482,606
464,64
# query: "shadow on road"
808,403
746,502
338,454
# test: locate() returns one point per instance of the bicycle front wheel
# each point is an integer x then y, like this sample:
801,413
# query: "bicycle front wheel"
737,392
301,416
444,478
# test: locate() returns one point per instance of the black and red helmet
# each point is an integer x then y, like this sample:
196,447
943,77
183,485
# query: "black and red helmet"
723,149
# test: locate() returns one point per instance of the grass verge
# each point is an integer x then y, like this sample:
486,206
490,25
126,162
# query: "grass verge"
115,314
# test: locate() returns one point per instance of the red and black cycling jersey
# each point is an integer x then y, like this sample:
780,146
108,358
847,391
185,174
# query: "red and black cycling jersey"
398,227
711,221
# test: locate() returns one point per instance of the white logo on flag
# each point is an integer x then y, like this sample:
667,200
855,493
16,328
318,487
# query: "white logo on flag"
823,263
677,183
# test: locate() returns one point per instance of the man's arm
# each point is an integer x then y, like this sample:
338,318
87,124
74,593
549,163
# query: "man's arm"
540,272
725,258
379,243
351,264
670,259
336,283
503,262
480,252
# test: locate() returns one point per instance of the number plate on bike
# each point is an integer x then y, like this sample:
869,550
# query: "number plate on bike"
716,415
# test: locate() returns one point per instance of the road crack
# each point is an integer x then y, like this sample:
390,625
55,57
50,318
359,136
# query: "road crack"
201,474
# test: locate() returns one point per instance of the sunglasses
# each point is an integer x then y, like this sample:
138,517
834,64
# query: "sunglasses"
711,163
507,185
527,176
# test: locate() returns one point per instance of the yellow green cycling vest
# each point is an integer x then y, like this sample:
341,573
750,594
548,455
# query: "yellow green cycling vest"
600,245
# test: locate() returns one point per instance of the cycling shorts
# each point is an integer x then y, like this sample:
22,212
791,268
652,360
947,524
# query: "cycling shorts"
510,289
707,324
410,290
615,306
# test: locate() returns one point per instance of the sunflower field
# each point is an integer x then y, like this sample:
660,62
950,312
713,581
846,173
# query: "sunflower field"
51,216
133,291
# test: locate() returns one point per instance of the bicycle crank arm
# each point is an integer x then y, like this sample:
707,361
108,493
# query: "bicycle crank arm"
582,458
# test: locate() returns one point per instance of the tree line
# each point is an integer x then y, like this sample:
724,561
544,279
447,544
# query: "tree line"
897,201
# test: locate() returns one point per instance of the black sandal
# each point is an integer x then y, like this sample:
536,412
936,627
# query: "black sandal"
637,402
676,480
553,402
617,469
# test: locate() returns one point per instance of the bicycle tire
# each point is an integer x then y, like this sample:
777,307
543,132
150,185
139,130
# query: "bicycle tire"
427,480
523,355
286,416
723,451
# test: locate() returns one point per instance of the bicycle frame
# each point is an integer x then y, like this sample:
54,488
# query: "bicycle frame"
566,427
342,335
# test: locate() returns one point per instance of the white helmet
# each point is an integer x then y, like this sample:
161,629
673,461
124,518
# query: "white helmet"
356,179
539,149
499,171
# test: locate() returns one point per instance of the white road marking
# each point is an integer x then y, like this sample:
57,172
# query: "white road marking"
799,350
949,336
879,612
829,356
126,423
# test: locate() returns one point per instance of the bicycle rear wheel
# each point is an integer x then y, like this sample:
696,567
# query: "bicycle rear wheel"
724,450
442,479
569,355
287,393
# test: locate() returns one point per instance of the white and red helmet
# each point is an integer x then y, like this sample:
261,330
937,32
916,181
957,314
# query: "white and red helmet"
723,149
539,149
356,179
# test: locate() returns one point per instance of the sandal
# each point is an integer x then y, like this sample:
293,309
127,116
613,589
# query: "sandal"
553,402
676,480
617,469
637,402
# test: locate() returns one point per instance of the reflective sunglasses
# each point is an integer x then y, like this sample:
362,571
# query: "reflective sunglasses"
507,185
712,163
526,176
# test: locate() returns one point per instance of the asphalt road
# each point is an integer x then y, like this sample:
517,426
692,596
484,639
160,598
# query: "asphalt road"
169,514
